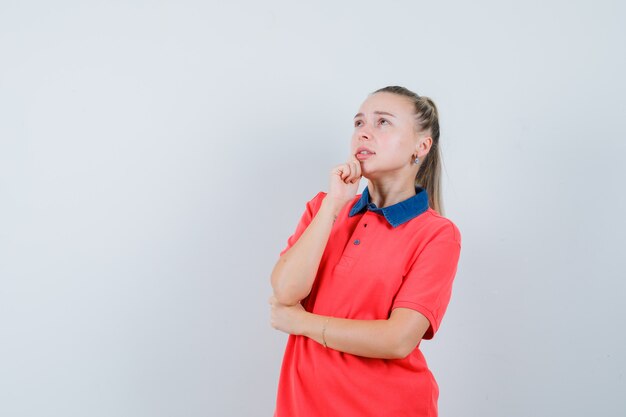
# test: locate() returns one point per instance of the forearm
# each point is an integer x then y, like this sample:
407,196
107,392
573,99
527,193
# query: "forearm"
369,338
295,271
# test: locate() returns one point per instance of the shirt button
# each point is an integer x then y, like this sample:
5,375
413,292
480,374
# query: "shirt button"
356,242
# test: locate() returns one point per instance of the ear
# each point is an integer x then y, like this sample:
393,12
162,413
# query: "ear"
424,144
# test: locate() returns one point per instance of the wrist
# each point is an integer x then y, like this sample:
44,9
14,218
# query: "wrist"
305,323
314,325
331,207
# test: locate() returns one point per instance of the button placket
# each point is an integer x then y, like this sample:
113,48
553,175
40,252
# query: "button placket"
352,251
362,234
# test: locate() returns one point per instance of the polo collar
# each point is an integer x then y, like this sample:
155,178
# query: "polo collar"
398,213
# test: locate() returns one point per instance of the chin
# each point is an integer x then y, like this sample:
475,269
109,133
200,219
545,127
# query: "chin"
368,175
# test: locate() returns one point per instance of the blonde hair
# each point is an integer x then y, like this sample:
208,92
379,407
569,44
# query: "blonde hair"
427,120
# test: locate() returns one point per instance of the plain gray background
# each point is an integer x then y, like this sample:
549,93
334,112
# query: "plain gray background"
156,156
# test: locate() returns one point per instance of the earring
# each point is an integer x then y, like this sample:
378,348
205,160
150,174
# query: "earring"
417,160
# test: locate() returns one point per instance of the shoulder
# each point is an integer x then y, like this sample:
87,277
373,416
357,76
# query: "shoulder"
314,203
318,198
440,227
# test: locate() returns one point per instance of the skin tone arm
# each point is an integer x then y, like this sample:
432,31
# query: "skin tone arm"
293,275
393,338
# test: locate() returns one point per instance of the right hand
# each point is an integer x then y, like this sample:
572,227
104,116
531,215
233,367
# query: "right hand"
344,182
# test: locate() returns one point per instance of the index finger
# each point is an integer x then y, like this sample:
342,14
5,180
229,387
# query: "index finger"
358,164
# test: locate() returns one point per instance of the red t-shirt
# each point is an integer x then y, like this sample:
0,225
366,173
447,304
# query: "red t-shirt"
404,255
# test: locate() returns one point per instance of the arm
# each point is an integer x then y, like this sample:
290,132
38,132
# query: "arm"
293,275
393,338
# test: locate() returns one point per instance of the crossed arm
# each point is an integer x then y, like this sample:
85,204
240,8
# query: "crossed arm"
392,338
292,279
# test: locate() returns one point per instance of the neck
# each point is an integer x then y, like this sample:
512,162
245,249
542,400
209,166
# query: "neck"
389,193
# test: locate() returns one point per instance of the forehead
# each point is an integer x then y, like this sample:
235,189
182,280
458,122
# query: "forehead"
388,102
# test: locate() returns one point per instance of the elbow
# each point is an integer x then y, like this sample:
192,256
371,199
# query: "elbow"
400,352
404,348
277,286
284,290
284,298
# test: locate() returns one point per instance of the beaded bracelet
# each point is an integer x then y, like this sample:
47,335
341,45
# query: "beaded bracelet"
323,331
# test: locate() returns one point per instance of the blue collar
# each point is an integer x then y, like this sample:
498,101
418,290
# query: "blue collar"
398,213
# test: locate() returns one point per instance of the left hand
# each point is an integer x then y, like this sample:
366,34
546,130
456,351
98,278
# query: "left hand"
289,319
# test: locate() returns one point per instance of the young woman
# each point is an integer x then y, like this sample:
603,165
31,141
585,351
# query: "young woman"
364,278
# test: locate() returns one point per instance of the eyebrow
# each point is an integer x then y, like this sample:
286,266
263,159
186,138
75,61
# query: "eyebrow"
376,112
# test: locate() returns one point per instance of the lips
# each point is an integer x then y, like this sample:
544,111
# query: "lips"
363,148
363,156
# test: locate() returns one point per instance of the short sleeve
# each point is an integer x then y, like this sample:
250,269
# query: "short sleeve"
311,209
427,286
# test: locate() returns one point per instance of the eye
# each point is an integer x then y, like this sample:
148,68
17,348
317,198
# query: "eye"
356,124
384,120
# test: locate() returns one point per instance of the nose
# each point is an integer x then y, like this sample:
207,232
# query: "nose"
364,134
